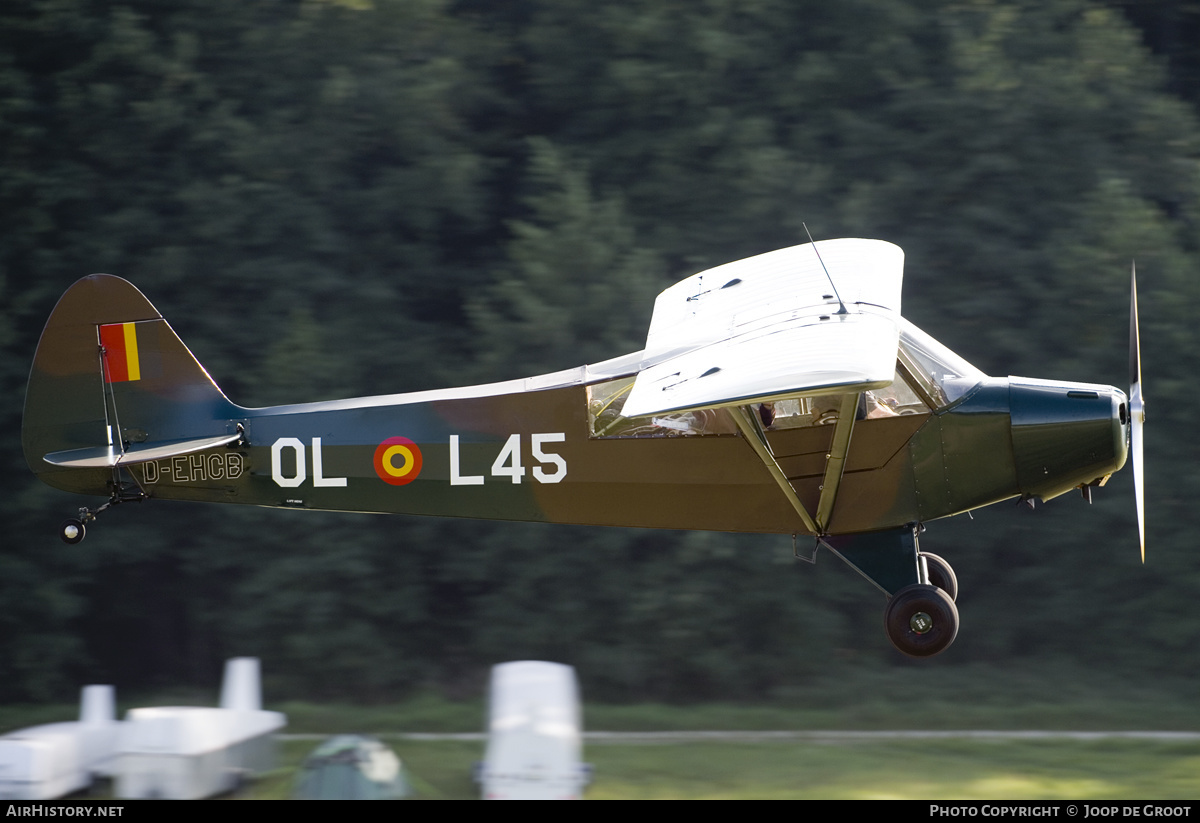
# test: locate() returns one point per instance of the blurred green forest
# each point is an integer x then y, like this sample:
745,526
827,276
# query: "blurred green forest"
330,198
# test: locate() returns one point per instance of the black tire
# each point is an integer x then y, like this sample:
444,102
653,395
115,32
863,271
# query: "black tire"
941,575
921,621
72,531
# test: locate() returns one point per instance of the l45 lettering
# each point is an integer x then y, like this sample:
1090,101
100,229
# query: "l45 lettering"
508,462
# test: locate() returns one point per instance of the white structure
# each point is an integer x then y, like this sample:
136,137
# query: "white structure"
44,762
188,752
534,735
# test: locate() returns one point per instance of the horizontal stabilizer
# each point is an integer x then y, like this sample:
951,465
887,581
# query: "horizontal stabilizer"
107,457
772,326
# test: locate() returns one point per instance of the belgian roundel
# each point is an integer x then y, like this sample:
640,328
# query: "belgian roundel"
397,461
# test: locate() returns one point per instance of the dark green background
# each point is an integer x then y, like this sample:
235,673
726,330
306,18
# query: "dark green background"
337,198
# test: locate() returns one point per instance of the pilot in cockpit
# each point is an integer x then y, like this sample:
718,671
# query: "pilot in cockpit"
871,407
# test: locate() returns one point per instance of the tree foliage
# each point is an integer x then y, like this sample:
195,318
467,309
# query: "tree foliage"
338,198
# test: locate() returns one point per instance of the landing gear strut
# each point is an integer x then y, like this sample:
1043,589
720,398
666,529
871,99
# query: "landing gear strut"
941,574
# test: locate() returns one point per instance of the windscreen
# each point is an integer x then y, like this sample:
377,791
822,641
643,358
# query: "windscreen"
943,374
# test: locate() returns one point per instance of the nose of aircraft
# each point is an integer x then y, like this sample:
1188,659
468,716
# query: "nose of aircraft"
1066,435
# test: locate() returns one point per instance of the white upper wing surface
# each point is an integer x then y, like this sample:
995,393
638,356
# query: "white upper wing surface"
768,327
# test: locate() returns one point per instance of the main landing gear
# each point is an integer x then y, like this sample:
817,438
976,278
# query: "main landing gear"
920,618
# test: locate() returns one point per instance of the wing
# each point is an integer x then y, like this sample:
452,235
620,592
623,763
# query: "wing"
769,327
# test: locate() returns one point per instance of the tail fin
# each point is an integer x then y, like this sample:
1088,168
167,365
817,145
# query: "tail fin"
112,385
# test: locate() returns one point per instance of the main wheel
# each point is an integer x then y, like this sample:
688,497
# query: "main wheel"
72,531
920,620
941,575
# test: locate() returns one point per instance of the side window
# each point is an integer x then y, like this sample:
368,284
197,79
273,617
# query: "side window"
823,410
801,411
606,400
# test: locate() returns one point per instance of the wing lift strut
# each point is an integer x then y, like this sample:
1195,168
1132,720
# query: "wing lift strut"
890,560
835,461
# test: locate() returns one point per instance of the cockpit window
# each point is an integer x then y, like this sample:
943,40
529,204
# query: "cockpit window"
943,375
895,400
607,400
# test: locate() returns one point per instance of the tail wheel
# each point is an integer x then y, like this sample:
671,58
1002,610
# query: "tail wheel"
72,531
941,575
921,620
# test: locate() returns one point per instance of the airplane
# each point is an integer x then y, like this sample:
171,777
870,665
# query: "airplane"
783,393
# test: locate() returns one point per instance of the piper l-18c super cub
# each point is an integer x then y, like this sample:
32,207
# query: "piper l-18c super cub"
783,394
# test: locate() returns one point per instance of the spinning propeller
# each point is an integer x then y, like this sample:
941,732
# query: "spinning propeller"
1137,409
